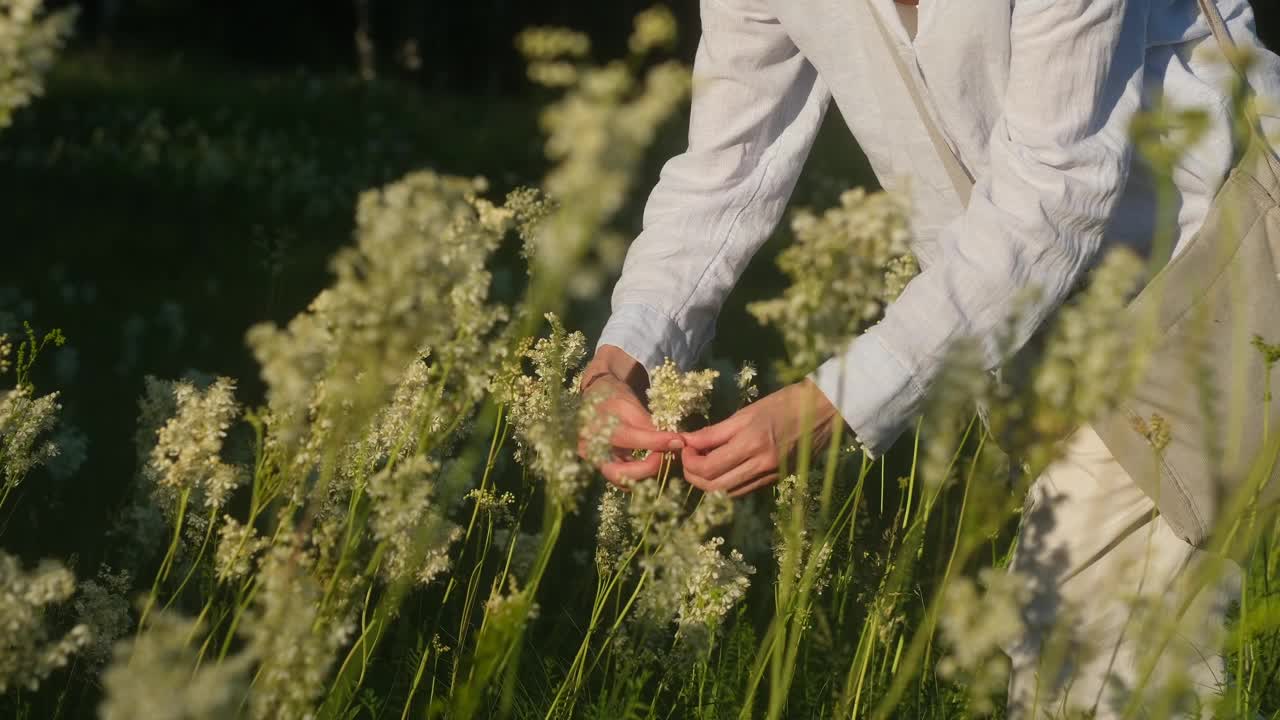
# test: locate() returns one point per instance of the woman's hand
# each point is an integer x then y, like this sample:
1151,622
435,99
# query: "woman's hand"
743,453
615,381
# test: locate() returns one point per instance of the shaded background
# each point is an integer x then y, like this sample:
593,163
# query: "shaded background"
194,163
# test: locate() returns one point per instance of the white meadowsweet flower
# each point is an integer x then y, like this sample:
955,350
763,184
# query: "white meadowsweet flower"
187,452
417,277
417,534
238,546
675,395
24,421
158,676
694,592
839,284
29,41
545,412
746,382
614,537
27,653
102,605
294,645
655,28
976,625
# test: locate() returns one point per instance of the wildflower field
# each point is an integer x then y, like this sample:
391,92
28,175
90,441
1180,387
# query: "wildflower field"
301,434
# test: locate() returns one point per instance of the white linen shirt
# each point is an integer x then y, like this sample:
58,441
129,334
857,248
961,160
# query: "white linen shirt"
1035,97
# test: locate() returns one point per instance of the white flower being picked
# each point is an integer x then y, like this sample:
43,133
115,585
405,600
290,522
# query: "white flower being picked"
27,653
674,396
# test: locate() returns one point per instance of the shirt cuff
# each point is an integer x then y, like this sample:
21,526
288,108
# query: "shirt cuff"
648,336
873,390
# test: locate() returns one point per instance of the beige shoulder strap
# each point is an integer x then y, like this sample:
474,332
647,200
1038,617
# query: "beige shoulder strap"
960,177
1219,28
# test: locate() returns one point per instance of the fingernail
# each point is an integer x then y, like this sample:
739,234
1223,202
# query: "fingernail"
676,444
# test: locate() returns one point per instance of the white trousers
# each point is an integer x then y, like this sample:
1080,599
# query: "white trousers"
1107,576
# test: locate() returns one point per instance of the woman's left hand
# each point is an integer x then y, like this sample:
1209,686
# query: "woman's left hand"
743,453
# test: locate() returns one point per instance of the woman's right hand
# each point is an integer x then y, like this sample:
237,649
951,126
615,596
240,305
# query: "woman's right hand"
615,382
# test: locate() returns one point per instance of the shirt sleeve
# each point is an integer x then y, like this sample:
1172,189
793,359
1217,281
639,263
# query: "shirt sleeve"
757,106
1059,158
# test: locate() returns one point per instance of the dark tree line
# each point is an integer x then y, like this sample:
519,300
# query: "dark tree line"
454,46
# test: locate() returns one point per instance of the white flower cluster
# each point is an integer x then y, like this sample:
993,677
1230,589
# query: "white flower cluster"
550,52
186,454
795,515
545,412
238,546
614,535
1087,363
29,42
402,515
694,591
655,29
416,277
675,395
293,643
1087,359
23,421
837,269
748,392
391,434
715,584
102,605
597,134
977,625
27,654
158,676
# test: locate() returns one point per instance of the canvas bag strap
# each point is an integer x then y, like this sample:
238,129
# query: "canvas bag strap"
1218,27
961,180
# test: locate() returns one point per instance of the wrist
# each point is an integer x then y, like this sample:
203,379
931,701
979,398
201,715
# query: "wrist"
813,396
616,362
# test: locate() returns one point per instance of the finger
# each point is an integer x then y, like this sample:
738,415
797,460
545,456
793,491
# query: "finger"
745,473
623,473
754,485
629,410
635,438
717,462
697,481
716,435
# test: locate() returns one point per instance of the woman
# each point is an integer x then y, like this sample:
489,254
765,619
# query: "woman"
1035,98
